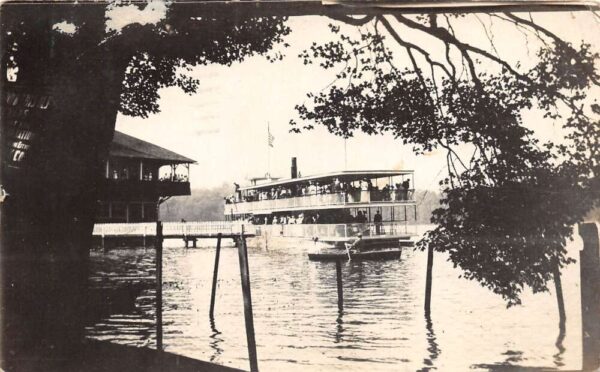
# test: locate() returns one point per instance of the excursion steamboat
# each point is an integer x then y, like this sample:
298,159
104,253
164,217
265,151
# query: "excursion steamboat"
333,214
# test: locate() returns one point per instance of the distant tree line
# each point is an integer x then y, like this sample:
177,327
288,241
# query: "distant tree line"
206,204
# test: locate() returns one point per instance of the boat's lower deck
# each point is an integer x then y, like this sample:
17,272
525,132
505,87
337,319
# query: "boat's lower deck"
266,239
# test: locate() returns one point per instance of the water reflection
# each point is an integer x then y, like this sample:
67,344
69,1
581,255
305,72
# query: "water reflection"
512,356
339,326
299,325
558,357
215,341
433,348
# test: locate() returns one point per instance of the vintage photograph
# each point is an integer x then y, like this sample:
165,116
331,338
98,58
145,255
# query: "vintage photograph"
299,185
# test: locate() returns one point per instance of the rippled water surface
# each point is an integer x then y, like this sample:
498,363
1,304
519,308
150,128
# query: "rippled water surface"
299,326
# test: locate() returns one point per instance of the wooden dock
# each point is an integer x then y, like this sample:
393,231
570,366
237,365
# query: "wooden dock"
189,232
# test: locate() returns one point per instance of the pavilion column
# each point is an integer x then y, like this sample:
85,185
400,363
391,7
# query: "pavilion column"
141,170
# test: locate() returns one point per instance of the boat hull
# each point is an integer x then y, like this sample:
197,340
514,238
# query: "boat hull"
385,254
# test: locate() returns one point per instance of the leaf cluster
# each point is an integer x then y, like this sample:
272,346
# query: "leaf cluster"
509,209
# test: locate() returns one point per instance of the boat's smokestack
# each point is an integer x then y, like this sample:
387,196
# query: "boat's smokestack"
294,168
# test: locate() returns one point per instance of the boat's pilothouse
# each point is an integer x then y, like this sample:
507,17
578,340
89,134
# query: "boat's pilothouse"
349,212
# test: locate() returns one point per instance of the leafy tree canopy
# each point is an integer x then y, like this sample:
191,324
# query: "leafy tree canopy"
159,43
509,208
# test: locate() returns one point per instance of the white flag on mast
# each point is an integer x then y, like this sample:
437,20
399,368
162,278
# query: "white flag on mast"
270,137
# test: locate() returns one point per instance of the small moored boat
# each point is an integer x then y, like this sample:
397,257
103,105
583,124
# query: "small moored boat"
356,251
378,254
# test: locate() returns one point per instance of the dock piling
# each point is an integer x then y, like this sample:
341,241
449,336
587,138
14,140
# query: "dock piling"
215,277
428,279
249,318
159,254
340,288
559,297
400,247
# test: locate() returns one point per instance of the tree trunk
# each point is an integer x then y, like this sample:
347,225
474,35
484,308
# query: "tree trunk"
69,104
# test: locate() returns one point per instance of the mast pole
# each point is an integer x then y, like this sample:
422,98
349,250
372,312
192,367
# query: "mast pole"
268,149
345,154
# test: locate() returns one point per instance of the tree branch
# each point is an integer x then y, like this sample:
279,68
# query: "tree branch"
444,35
409,45
352,21
536,27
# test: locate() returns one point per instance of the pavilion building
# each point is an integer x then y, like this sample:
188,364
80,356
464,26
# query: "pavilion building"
138,176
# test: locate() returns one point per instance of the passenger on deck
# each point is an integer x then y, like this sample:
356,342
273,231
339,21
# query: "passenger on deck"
365,195
360,217
385,192
405,187
238,193
312,189
336,185
378,222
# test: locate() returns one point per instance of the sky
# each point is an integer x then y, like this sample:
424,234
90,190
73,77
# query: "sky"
224,125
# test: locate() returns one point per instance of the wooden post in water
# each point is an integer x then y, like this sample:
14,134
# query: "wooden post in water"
340,288
215,276
401,249
589,260
559,298
245,274
159,254
428,279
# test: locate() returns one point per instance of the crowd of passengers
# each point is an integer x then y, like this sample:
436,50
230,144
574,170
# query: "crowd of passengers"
398,191
332,217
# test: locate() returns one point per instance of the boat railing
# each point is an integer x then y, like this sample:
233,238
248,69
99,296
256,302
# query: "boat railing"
339,230
319,200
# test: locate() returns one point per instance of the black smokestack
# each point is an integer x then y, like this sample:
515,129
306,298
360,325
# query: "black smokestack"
294,168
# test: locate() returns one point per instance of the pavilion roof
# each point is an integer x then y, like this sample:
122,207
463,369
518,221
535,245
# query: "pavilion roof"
126,146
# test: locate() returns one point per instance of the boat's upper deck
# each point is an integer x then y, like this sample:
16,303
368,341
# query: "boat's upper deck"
344,189
329,178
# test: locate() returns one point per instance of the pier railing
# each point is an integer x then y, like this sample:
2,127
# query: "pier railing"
173,229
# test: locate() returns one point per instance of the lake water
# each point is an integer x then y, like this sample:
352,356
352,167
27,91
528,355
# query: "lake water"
299,327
